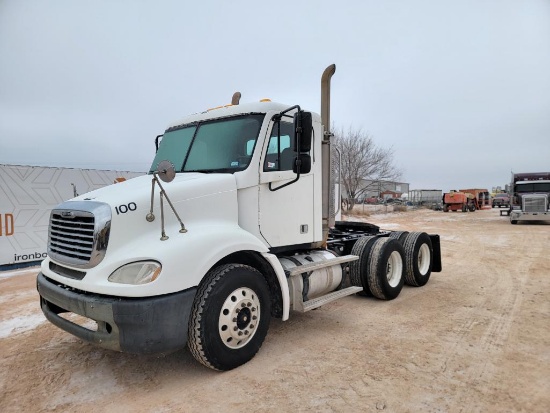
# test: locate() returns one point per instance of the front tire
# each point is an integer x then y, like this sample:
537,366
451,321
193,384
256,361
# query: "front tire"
230,317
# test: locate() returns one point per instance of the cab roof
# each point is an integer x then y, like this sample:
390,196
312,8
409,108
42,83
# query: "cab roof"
232,110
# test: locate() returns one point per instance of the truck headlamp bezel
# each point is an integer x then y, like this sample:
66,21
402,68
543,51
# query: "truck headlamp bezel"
136,273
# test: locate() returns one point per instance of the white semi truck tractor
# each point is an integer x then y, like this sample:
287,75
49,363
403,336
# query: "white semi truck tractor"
530,197
233,225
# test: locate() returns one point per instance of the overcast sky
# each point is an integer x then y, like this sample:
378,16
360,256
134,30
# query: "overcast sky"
460,89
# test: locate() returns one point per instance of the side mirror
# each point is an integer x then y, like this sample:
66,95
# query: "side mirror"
304,128
305,163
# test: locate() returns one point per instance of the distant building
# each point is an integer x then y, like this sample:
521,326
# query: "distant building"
371,189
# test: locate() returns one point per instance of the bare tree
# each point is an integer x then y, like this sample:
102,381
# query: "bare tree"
363,163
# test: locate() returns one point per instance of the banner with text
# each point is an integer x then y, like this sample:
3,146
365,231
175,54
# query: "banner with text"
28,194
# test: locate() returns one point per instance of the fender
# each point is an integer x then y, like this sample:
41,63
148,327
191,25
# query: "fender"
283,283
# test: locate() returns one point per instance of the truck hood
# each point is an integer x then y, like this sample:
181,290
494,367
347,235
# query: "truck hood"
198,199
184,187
125,232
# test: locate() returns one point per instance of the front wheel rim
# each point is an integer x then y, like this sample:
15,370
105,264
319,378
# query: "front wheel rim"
239,318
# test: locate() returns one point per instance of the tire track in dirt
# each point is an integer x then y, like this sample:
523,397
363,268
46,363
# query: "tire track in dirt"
487,333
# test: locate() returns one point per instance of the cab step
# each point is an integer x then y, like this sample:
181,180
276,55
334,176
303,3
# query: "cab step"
325,299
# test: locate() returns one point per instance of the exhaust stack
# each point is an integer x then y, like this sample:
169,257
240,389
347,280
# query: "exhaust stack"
328,209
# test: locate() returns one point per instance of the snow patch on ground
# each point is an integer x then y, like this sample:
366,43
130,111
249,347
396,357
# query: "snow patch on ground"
86,387
15,273
18,296
21,323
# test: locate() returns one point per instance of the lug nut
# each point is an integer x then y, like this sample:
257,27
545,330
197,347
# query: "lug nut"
234,319
251,325
243,305
248,304
240,333
235,328
246,332
254,317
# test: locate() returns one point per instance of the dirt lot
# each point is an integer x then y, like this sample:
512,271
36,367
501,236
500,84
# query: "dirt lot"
476,338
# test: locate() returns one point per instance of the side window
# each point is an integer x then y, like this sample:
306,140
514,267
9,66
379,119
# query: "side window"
250,147
280,154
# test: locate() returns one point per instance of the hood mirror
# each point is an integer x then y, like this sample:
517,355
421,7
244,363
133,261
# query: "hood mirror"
166,171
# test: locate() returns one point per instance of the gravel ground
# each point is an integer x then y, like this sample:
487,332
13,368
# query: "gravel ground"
474,339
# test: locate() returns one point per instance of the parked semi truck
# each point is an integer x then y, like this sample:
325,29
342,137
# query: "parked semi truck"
529,201
233,225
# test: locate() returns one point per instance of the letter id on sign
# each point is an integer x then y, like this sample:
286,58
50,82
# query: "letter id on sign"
6,225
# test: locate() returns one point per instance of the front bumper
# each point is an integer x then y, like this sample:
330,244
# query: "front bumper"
148,325
518,215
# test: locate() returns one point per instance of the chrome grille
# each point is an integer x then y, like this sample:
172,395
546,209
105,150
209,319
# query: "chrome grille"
72,235
79,233
534,203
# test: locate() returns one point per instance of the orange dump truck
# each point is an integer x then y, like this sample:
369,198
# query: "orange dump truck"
459,201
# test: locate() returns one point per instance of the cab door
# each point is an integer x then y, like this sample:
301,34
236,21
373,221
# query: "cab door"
285,214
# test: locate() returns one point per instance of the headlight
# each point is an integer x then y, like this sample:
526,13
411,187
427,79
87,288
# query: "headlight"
142,272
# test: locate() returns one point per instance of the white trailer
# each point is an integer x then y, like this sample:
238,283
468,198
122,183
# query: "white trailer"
233,225
27,196
422,196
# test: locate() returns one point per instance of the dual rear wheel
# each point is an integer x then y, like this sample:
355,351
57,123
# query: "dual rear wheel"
386,263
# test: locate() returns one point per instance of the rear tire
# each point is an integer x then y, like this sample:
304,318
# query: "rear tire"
385,274
359,268
418,258
399,236
230,317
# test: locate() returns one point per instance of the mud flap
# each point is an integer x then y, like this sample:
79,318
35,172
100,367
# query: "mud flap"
436,246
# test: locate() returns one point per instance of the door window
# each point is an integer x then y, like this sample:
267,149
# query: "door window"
280,154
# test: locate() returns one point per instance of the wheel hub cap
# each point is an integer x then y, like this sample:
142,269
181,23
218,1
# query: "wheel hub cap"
424,256
394,269
239,318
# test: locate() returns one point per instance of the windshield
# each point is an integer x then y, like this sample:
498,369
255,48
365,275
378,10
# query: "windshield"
533,187
223,145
